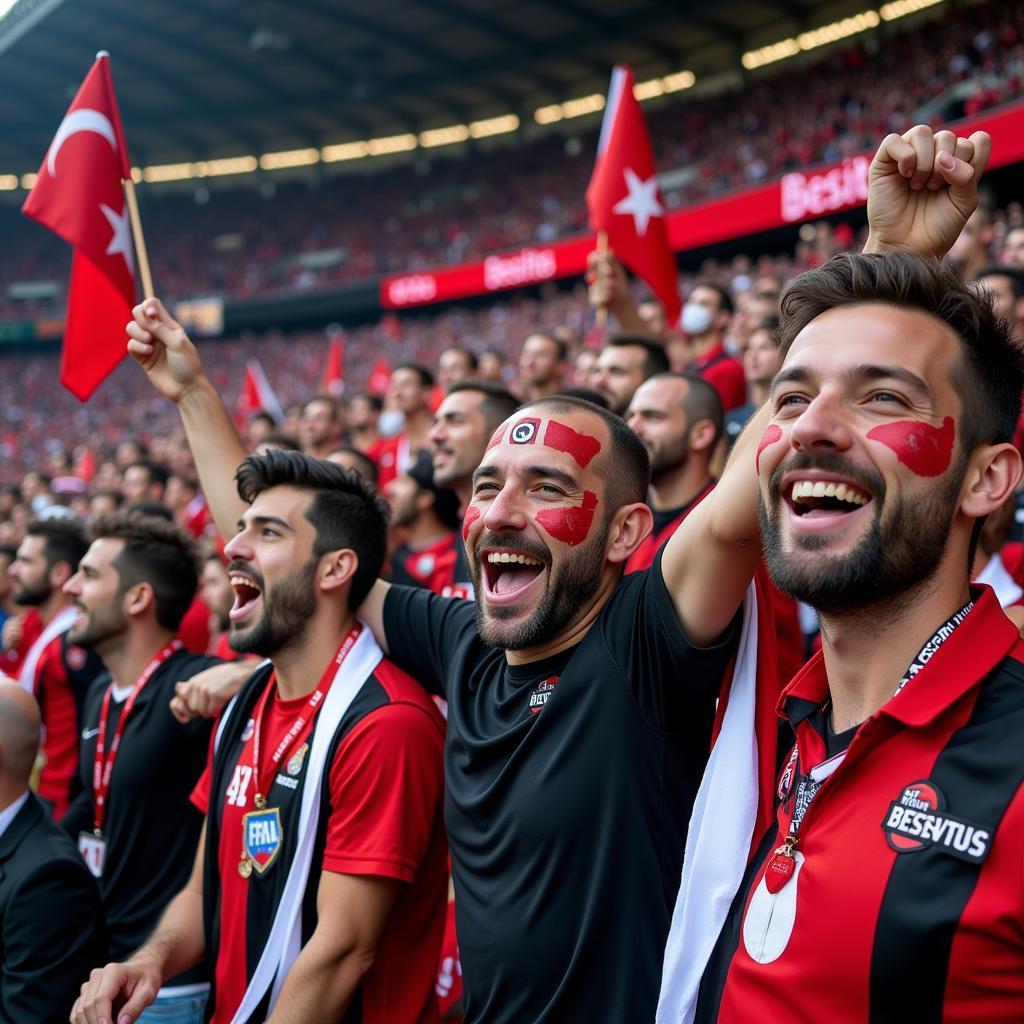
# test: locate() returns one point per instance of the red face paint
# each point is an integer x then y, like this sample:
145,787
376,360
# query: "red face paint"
582,447
525,431
922,448
570,525
771,434
471,516
496,438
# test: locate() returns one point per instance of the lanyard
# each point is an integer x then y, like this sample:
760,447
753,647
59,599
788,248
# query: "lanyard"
780,866
103,762
308,712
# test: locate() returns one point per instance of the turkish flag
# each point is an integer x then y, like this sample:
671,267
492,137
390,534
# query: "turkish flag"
257,395
623,197
79,196
334,371
380,376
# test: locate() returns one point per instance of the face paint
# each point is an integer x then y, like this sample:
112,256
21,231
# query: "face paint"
582,447
922,448
471,516
570,525
496,437
525,431
771,434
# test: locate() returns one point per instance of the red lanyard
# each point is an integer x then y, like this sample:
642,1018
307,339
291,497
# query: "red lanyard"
103,763
316,698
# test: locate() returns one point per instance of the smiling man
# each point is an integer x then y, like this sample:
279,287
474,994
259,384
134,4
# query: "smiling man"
319,886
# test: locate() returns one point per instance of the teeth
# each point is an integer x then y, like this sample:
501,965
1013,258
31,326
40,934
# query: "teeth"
503,557
243,581
819,489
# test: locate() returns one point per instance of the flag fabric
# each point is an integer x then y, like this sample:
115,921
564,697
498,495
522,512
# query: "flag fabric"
740,776
623,197
334,371
380,377
79,196
257,395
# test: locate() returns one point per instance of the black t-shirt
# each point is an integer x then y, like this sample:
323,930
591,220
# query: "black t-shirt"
151,828
569,788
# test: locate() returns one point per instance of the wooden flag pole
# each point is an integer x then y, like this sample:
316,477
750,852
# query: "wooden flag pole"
601,315
140,243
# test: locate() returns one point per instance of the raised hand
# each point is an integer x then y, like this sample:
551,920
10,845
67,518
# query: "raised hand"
159,344
922,188
116,993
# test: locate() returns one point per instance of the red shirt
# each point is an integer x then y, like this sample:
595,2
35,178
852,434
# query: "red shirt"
194,631
31,627
725,374
386,785
887,917
391,454
431,566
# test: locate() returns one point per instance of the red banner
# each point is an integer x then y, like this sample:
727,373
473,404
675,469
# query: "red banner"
794,198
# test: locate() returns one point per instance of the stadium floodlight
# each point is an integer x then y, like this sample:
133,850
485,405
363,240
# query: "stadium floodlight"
8,182
344,151
391,144
494,126
448,136
28,181
901,8
289,158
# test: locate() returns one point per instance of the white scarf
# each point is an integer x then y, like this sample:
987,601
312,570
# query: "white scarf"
718,840
60,623
285,939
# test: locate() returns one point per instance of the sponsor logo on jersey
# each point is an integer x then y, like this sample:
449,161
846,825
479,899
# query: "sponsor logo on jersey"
283,780
75,657
539,696
250,728
261,837
525,431
917,819
294,765
425,565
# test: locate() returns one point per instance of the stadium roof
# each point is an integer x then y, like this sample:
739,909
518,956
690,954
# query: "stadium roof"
203,79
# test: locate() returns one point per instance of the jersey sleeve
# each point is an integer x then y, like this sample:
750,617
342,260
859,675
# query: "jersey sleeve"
387,781
201,792
673,682
424,630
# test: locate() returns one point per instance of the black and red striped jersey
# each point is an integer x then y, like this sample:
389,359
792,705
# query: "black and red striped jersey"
906,899
380,814
431,566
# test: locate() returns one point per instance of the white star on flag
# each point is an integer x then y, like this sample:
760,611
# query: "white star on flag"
642,202
122,240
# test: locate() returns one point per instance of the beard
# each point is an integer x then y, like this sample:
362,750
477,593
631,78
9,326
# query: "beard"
99,626
567,591
287,608
901,549
32,595
670,458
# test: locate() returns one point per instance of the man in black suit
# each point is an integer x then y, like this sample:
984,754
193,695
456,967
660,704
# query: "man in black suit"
51,920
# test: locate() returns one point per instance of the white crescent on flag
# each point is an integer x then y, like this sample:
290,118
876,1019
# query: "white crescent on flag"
82,120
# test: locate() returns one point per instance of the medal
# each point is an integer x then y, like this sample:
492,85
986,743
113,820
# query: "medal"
780,868
245,866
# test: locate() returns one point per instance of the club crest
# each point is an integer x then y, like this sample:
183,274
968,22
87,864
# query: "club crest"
261,837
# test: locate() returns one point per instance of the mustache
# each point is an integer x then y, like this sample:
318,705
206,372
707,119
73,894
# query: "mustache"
828,462
237,565
513,544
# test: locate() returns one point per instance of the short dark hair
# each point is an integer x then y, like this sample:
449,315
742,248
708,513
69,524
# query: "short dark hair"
64,540
769,322
586,394
426,377
327,400
627,465
375,401
369,470
8,551
346,510
282,441
990,374
1012,274
157,552
262,414
471,360
701,401
724,295
560,346
497,404
157,474
656,358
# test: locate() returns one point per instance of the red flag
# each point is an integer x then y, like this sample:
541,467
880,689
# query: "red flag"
257,395
380,377
79,196
334,371
623,197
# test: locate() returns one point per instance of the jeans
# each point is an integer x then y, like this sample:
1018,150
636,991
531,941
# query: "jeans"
175,1010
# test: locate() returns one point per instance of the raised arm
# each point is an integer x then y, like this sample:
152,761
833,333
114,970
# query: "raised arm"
922,188
161,347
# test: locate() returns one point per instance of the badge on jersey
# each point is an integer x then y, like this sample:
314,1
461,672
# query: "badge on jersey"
294,765
261,837
250,728
918,818
93,849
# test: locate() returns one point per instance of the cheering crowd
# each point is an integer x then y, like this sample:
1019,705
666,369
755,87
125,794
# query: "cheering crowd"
476,703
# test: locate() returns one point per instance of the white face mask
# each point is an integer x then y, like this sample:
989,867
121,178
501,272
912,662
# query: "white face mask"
695,319
391,422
